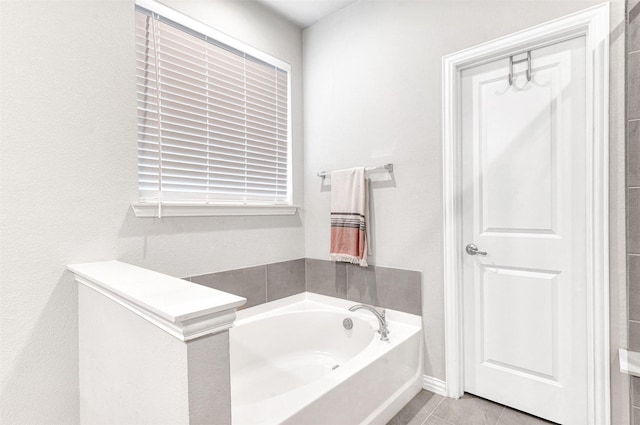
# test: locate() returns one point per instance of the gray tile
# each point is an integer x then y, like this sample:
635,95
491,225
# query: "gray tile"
398,420
633,267
635,391
469,410
418,409
634,336
249,283
515,417
633,221
633,86
434,420
633,153
326,278
385,287
633,40
285,279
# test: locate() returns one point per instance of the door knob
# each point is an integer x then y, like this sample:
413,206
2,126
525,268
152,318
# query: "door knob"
473,250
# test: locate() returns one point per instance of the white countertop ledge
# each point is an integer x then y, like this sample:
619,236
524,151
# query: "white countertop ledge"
629,362
183,309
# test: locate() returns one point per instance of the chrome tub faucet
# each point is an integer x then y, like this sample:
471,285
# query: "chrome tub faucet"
380,315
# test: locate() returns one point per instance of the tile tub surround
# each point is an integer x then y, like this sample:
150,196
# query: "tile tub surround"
381,286
250,282
387,287
285,279
259,284
326,278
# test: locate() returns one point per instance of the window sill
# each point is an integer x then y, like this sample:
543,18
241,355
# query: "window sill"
176,209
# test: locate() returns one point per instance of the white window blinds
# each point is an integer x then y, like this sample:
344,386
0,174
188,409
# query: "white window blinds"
213,121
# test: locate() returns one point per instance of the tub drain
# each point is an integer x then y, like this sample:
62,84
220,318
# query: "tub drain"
335,367
347,323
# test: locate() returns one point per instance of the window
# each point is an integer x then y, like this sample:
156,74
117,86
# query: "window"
213,118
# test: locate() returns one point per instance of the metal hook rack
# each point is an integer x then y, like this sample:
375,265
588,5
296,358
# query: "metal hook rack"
512,62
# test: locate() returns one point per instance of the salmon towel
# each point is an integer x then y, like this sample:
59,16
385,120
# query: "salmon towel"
349,216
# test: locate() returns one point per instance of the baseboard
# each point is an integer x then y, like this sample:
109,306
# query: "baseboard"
434,385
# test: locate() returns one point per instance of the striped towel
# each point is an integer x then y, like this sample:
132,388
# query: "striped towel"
349,216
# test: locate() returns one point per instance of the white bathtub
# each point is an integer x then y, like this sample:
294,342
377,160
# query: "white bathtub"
293,362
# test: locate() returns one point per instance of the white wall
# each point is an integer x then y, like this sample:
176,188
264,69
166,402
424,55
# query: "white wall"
133,372
68,174
372,84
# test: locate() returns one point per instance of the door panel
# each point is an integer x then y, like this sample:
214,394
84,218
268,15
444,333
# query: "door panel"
513,201
524,204
509,338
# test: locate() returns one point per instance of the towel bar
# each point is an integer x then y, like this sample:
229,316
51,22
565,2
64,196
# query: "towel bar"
387,168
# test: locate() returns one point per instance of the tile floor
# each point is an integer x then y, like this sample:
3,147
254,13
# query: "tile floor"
428,408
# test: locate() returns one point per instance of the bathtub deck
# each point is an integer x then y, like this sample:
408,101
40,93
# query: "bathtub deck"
428,408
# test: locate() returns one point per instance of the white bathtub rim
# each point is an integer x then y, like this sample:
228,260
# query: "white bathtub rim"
309,306
340,304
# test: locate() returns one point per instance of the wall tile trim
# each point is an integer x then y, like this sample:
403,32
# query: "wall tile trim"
386,287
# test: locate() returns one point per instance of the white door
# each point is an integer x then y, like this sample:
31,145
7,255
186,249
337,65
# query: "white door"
524,204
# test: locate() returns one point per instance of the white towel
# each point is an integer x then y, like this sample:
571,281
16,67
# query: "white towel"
349,216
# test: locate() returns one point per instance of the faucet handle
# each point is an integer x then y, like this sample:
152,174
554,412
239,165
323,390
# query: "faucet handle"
384,333
383,313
